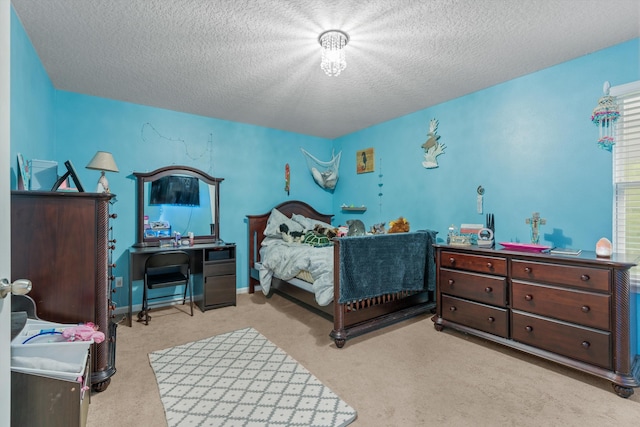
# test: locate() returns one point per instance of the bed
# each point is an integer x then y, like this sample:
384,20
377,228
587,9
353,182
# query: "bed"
368,290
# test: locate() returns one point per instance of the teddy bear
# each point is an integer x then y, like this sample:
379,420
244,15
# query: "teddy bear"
356,227
329,232
400,225
378,228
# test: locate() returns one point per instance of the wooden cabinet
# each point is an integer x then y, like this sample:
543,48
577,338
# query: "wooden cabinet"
219,277
577,311
60,241
52,402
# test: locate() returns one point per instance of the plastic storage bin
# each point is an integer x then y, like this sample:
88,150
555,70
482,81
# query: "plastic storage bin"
49,349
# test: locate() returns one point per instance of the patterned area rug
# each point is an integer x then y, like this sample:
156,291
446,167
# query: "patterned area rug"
242,379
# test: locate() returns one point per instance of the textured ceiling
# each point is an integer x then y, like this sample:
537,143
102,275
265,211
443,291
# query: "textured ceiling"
258,61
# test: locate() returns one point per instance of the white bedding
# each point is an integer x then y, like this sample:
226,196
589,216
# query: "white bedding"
285,260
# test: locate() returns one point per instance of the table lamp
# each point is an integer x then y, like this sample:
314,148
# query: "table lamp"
103,161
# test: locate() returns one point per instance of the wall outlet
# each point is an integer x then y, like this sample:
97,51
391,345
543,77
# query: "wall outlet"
119,282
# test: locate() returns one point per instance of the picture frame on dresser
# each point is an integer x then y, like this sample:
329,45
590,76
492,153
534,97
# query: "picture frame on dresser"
23,173
70,173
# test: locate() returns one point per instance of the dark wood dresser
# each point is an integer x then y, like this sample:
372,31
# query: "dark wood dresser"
574,310
61,242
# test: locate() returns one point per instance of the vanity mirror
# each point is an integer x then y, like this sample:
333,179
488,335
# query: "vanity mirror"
177,199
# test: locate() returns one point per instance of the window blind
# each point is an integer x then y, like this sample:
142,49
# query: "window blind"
626,175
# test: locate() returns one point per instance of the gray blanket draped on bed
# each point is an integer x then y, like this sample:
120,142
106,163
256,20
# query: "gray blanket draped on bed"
386,263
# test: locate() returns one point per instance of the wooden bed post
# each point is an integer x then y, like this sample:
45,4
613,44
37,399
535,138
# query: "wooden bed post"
338,334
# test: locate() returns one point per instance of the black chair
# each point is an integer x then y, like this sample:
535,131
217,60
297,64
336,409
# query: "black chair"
164,270
24,303
23,307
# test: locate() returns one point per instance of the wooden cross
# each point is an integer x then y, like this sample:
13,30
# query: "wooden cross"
535,222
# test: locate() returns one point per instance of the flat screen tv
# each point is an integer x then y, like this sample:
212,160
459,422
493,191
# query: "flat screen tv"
175,190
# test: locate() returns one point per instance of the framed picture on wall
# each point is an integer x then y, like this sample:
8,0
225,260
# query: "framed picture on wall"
365,160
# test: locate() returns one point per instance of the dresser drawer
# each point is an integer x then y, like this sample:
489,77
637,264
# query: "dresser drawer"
585,308
477,263
589,278
474,286
219,268
585,344
486,318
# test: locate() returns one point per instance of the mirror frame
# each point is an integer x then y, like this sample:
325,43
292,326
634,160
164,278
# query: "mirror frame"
144,177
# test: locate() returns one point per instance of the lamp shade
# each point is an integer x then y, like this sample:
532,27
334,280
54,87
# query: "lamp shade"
103,161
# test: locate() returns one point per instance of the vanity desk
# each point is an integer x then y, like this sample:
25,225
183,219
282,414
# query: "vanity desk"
194,206
578,311
216,262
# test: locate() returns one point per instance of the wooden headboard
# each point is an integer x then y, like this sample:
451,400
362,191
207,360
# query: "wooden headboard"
257,224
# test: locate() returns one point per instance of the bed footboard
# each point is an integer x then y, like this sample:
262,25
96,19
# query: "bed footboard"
354,318
359,317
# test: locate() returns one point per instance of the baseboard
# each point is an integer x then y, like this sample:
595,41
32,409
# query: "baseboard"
124,310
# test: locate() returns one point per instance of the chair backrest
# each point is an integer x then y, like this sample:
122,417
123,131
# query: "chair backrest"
162,262
24,303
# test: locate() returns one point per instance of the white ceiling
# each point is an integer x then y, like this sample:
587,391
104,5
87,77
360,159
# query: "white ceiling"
258,61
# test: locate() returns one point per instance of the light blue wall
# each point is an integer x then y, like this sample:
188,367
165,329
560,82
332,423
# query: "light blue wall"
528,141
251,160
32,102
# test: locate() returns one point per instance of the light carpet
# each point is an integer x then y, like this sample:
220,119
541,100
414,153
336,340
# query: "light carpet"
240,378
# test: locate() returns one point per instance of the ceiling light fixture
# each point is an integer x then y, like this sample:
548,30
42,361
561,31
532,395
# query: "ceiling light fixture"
333,59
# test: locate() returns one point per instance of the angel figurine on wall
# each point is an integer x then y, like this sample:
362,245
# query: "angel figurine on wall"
432,148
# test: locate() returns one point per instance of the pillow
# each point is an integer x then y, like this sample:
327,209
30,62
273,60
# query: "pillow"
308,223
273,224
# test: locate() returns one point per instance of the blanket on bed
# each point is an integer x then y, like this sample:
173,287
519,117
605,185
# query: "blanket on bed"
285,261
386,263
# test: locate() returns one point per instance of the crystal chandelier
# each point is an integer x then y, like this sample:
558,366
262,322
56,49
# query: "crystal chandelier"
333,59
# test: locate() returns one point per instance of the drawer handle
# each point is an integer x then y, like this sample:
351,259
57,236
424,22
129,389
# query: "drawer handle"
528,297
488,289
586,344
528,270
452,308
585,277
491,319
452,260
586,309
528,328
451,282
489,265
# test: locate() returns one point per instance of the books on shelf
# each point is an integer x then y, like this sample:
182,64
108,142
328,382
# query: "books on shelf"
565,251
